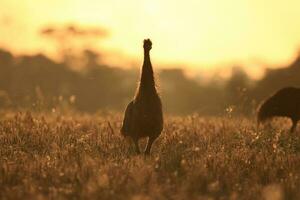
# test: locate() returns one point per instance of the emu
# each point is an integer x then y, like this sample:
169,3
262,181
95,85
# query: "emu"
143,115
284,103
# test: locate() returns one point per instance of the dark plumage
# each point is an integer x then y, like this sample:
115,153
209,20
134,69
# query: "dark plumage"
284,103
143,115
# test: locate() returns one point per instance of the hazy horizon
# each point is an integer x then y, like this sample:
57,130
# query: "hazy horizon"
193,35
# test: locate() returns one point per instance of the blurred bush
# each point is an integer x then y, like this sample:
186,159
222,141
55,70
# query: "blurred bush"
39,83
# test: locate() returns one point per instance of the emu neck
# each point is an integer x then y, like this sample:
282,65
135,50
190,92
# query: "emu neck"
147,83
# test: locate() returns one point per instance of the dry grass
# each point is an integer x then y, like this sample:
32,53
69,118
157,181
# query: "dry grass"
85,157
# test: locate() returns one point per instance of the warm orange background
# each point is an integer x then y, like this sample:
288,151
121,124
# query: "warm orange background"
196,34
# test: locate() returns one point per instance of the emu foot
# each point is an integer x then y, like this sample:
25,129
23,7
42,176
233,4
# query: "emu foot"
147,153
137,151
149,145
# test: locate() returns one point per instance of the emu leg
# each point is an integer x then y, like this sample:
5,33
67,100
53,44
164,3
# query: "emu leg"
293,128
149,145
136,144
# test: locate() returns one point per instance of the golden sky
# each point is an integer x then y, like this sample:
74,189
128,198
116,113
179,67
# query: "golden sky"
196,33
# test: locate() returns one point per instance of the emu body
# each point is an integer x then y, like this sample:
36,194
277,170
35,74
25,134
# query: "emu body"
143,115
284,103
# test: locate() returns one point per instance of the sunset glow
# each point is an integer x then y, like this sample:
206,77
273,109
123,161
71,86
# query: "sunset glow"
193,33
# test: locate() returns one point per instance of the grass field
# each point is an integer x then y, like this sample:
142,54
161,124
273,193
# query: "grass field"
51,156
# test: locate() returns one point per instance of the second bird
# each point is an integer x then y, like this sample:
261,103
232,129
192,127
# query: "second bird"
143,115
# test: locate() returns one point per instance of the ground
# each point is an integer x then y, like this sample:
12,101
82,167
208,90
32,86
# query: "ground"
81,156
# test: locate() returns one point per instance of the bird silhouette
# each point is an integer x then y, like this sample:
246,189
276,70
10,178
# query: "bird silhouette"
284,103
143,115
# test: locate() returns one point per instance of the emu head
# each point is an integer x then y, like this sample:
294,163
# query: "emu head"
147,44
266,110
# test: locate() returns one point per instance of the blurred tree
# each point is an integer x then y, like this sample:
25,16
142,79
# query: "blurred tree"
72,40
